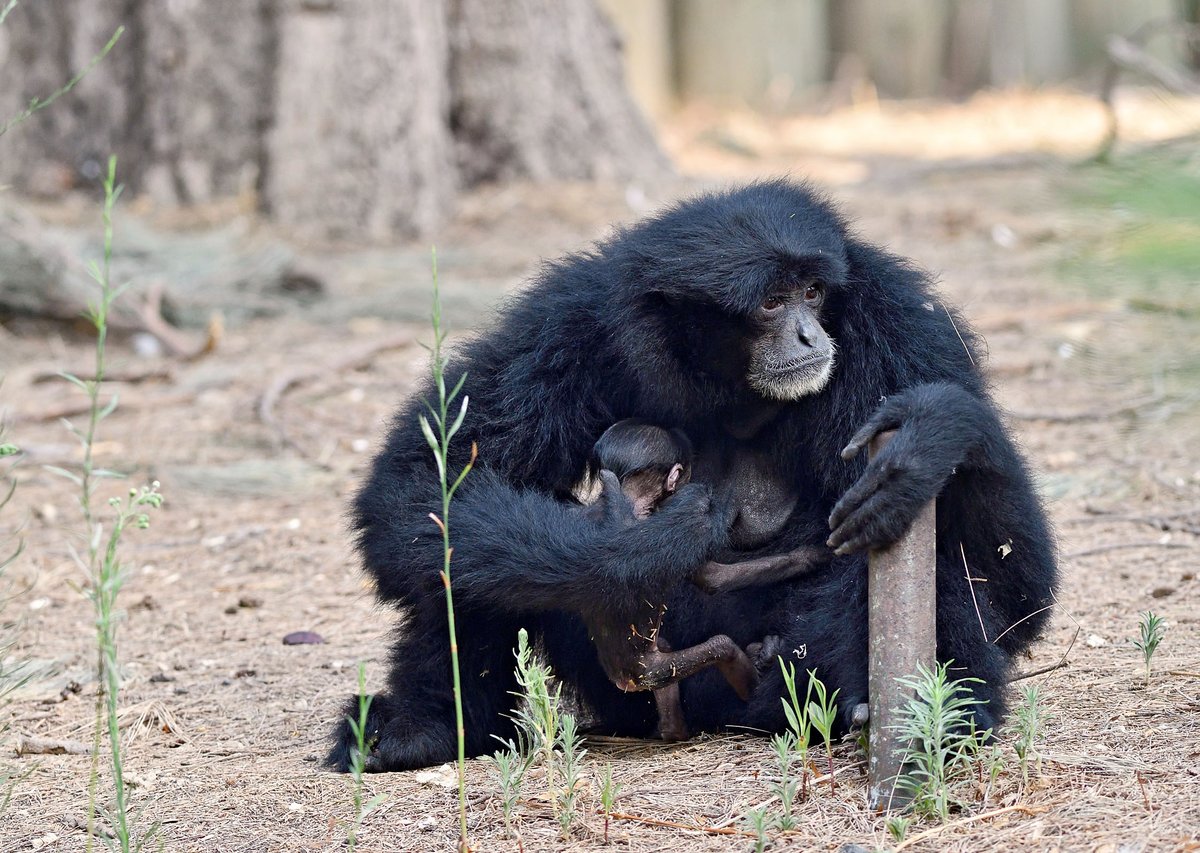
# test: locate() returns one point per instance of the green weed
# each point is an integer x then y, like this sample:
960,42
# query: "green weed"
101,559
938,725
1151,630
439,434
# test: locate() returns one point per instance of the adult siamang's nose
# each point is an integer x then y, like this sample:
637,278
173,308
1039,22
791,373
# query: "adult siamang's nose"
806,332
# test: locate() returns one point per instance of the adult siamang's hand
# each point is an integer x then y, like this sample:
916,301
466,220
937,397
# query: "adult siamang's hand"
615,506
937,426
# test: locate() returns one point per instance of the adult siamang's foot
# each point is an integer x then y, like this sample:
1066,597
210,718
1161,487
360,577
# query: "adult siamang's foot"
391,740
763,654
860,715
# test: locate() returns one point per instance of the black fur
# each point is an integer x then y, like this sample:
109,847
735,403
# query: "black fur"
653,324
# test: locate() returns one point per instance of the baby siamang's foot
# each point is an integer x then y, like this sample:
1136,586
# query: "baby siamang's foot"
763,654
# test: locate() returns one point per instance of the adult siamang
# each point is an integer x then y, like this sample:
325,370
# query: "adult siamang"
780,342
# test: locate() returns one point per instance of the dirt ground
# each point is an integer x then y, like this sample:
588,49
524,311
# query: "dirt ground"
224,723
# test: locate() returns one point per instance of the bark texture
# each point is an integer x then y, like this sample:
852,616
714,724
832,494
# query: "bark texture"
537,93
346,118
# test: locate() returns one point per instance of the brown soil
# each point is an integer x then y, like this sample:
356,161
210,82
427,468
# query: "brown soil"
224,723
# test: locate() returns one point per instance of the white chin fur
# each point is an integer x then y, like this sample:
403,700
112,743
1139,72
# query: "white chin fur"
793,386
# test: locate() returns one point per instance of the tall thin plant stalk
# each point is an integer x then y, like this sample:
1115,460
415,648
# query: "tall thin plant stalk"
100,561
439,435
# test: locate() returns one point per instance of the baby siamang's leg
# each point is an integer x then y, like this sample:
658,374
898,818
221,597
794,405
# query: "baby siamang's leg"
671,723
661,668
716,577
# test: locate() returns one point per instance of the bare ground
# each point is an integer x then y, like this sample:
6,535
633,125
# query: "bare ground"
224,723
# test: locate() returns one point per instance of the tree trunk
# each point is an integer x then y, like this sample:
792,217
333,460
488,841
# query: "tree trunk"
347,118
538,93
361,143
42,46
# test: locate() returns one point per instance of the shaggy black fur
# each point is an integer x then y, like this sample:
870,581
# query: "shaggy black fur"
657,323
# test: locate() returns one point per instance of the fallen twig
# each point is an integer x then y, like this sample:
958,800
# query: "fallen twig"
177,343
1090,415
70,410
929,833
654,821
1122,546
1037,672
290,379
51,746
130,376
1128,53
1160,522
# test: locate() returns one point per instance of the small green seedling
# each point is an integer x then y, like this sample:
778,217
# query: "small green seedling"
942,741
1028,724
897,827
784,748
796,713
511,765
609,791
759,822
1152,629
823,714
570,754
358,760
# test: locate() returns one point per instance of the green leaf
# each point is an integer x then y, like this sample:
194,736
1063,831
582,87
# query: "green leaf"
462,413
108,409
457,387
427,431
63,472
75,380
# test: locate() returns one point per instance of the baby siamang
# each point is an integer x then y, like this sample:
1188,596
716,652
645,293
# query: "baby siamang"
640,465
780,341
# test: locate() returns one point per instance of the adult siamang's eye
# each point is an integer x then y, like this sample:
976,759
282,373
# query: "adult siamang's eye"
772,304
814,292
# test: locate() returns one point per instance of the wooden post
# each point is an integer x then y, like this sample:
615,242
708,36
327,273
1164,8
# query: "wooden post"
901,598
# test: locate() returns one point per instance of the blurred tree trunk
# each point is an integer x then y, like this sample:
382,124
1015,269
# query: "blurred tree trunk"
902,43
342,117
537,92
361,140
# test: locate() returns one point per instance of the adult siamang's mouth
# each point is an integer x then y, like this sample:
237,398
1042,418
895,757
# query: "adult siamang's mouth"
807,364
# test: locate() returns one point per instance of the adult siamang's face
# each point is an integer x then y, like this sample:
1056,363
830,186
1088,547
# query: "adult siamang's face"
791,356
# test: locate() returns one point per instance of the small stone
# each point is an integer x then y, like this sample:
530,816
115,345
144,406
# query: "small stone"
245,673
1187,576
427,823
1162,591
231,609
161,678
249,602
181,691
303,638
1095,641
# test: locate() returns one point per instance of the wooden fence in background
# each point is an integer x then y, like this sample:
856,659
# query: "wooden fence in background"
785,54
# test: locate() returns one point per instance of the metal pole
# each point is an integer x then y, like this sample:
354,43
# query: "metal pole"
901,598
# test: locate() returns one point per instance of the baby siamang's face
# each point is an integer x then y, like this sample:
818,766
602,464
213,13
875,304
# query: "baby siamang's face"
647,489
791,356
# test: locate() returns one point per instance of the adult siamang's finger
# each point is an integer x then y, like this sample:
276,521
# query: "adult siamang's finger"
866,485
617,506
887,416
861,529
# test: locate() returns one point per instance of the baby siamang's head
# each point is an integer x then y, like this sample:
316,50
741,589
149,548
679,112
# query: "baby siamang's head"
651,462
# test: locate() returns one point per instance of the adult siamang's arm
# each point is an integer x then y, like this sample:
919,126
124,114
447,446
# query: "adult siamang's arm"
539,396
910,366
